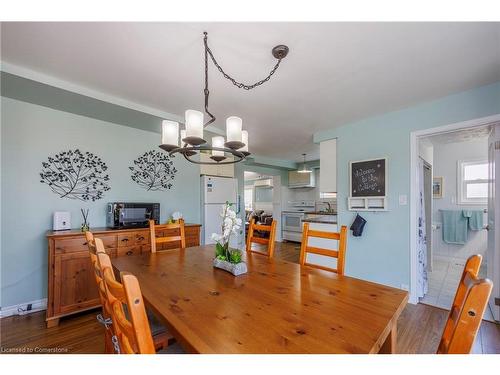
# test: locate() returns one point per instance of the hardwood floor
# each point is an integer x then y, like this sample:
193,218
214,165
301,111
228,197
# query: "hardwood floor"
419,328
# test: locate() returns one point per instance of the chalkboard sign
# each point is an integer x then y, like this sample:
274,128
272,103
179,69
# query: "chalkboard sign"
368,178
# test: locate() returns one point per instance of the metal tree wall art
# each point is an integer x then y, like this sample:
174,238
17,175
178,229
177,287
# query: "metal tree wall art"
76,175
153,170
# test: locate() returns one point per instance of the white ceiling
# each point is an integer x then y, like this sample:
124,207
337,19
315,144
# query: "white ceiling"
335,72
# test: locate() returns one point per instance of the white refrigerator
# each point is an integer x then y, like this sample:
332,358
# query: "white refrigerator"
215,191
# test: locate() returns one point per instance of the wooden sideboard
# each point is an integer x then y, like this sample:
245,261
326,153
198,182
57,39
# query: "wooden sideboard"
71,283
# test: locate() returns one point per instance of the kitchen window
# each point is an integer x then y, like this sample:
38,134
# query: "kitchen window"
248,199
473,182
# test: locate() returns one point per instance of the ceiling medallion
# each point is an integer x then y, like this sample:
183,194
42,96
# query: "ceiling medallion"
231,150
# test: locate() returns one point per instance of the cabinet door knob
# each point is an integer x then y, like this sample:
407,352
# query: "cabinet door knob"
130,252
124,239
85,243
140,238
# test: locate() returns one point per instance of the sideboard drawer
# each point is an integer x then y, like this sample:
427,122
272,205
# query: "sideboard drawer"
141,238
75,244
126,239
130,250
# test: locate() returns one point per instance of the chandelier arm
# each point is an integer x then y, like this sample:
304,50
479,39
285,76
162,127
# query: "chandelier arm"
227,76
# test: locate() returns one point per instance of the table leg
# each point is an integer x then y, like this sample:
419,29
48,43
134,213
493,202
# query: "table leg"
389,345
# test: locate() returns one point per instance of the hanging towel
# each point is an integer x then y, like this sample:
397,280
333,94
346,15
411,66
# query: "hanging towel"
454,227
475,218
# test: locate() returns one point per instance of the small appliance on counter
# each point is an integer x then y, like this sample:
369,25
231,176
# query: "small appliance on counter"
62,220
131,215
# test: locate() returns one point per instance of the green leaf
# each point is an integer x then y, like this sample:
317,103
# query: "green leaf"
219,250
235,256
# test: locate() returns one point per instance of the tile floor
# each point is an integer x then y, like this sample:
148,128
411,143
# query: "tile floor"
443,282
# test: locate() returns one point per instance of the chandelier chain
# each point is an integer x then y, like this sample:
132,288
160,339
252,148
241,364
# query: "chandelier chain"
227,76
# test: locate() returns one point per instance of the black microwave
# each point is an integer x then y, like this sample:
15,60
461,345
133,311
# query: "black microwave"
131,215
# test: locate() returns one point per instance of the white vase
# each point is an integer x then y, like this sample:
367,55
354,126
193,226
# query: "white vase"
235,268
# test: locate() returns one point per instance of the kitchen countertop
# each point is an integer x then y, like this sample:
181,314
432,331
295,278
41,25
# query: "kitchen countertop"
311,212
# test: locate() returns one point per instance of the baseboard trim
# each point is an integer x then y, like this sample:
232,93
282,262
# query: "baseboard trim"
22,308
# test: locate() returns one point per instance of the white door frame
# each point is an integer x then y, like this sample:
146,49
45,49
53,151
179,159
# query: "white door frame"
413,183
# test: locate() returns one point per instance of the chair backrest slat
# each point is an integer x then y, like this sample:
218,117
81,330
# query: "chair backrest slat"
157,239
270,242
133,332
341,237
469,304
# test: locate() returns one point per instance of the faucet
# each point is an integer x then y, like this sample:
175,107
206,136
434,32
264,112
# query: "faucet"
329,207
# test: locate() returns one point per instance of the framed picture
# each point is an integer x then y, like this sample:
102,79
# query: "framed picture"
437,187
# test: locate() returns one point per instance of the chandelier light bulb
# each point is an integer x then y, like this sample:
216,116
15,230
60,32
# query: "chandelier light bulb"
218,142
194,127
170,133
244,139
233,132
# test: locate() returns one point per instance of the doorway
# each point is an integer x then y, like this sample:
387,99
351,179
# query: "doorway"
455,178
262,199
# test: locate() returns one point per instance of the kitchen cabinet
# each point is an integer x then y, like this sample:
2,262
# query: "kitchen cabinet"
223,170
328,166
301,180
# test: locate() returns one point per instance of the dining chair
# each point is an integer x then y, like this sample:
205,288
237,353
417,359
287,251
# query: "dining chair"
105,317
269,242
305,249
467,310
132,333
161,336
158,239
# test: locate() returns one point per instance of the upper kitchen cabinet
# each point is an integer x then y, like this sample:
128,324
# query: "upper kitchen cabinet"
328,166
223,170
301,180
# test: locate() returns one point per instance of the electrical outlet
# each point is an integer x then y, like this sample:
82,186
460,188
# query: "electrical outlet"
405,287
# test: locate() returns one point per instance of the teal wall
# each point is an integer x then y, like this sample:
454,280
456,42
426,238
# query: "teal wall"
382,254
29,134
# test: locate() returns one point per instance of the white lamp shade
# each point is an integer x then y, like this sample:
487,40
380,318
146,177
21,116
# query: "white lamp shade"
218,142
244,139
194,123
183,135
233,129
170,133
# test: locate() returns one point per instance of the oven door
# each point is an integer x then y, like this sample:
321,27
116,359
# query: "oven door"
292,222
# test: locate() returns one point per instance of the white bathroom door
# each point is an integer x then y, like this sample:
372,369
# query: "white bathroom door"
493,253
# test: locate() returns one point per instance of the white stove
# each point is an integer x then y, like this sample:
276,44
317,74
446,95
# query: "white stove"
292,219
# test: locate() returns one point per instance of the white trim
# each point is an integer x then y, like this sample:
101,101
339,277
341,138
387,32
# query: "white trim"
99,95
37,305
482,121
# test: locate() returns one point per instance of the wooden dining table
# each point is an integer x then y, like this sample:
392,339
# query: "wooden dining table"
277,307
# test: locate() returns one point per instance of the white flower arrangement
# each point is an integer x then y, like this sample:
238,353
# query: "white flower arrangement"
177,215
230,225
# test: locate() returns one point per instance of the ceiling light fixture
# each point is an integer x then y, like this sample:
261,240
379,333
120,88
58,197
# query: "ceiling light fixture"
304,168
192,141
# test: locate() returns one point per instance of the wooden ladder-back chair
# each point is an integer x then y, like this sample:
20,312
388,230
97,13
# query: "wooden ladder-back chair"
132,333
269,242
467,310
305,249
105,317
156,239
161,336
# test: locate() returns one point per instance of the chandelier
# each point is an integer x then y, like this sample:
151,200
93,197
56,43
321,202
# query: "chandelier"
229,150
